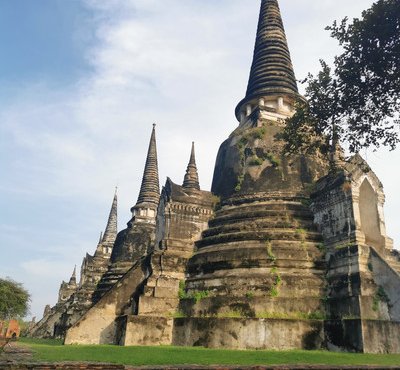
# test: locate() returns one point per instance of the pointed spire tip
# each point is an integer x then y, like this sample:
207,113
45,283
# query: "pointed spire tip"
191,180
150,187
271,71
110,232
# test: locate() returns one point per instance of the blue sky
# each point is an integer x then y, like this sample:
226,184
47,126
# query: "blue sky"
82,81
44,40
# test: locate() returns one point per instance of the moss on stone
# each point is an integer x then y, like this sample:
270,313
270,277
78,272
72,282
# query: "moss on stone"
256,161
380,296
239,183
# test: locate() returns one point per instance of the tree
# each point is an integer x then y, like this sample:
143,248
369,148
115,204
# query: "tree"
358,100
14,299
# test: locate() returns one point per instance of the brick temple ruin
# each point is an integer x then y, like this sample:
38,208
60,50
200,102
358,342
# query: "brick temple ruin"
281,254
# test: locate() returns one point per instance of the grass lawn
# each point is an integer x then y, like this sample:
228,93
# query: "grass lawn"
53,351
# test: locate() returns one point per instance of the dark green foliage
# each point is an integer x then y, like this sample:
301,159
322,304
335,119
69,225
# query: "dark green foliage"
255,161
239,183
358,100
197,296
14,299
380,296
272,159
249,295
274,290
182,290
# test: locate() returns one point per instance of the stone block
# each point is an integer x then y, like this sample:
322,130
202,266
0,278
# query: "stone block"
164,292
148,331
153,306
238,333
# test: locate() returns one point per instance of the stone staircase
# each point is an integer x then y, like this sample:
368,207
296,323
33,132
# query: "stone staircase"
257,255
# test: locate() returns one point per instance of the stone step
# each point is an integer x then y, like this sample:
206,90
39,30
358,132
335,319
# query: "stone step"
207,266
157,306
261,206
257,224
284,215
147,331
274,252
264,235
293,283
253,305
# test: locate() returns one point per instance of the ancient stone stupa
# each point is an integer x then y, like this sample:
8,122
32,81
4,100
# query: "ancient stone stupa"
280,255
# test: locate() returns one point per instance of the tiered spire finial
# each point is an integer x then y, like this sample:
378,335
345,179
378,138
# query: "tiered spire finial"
150,188
191,180
272,70
111,230
73,277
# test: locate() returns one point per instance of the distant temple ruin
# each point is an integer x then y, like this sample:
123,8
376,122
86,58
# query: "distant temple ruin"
281,254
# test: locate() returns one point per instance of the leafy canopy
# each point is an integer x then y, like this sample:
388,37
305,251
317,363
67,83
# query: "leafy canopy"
358,100
14,299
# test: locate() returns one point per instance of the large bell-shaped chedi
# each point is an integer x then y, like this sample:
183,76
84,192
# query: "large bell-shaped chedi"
251,159
259,264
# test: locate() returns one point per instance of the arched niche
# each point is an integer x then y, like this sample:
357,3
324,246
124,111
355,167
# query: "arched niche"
369,215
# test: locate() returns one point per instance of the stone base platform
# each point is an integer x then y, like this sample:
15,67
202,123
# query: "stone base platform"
353,335
367,336
248,333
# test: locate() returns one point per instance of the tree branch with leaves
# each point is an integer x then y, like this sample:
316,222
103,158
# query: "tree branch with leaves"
357,102
14,299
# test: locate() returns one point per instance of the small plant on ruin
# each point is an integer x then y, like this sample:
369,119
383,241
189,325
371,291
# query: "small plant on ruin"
182,294
249,295
256,161
294,315
177,315
306,202
217,202
275,161
316,315
301,234
239,183
270,254
380,296
198,296
321,247
274,290
241,146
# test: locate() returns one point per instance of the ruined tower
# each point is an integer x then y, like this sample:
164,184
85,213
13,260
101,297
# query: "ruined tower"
75,299
191,180
132,243
260,256
67,289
